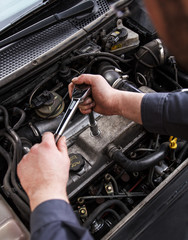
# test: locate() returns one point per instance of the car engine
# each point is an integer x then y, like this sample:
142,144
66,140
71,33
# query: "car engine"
115,163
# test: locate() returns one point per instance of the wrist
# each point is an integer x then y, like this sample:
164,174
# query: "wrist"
41,196
129,105
117,104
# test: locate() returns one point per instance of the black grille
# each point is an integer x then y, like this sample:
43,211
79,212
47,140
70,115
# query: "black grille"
28,49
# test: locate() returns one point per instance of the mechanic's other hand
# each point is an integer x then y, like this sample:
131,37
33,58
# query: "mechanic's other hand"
44,171
103,95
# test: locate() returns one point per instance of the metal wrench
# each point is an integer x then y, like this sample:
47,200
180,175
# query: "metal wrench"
80,92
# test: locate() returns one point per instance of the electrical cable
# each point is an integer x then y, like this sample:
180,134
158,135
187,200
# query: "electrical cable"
38,87
176,73
177,85
22,117
98,54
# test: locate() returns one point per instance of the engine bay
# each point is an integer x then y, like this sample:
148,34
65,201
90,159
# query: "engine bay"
116,168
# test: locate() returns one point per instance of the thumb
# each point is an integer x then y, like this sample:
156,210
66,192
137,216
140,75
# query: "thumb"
84,78
77,81
49,138
61,145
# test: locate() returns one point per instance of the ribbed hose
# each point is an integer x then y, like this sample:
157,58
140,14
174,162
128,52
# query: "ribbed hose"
141,164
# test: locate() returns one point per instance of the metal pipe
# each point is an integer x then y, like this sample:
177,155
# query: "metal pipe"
93,125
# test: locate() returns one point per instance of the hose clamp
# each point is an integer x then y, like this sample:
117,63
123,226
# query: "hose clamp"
161,50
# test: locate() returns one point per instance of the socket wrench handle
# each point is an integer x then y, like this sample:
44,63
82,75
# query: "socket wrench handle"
80,92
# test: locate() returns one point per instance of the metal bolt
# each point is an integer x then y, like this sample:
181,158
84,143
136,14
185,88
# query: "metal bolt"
82,211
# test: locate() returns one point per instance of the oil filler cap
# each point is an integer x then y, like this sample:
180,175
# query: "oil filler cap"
76,162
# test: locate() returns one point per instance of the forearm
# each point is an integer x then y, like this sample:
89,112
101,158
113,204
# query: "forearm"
56,220
166,113
128,105
163,113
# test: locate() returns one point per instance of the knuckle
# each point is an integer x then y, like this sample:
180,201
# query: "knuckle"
34,149
24,158
88,100
46,144
47,135
19,166
87,111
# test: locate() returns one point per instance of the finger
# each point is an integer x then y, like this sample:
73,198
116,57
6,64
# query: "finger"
84,78
87,107
48,138
25,156
33,149
70,88
87,101
61,145
86,111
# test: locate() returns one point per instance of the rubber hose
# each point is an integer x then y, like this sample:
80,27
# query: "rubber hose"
109,210
102,207
88,69
14,167
182,154
6,118
141,164
6,178
22,206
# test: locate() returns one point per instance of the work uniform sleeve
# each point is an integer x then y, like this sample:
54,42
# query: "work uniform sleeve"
166,113
55,219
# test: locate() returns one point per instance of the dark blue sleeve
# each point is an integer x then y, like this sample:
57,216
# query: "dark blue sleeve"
166,113
55,219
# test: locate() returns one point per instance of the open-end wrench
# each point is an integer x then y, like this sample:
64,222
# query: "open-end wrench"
80,92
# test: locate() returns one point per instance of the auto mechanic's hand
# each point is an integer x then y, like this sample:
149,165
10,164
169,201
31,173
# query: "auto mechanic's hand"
109,101
103,95
44,171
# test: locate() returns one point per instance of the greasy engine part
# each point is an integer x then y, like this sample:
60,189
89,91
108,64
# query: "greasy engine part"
149,56
51,108
141,164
